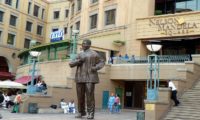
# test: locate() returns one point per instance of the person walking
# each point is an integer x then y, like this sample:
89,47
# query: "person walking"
173,93
88,63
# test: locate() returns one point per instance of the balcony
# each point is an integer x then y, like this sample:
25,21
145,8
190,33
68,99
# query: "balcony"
171,67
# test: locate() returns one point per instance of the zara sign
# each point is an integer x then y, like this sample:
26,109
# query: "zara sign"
57,36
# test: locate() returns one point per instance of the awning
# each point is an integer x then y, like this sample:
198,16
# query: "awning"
25,79
6,75
11,84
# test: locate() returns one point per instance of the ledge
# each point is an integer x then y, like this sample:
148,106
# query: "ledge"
155,102
196,56
164,89
38,95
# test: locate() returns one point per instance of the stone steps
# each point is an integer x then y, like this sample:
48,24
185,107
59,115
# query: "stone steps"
50,110
189,109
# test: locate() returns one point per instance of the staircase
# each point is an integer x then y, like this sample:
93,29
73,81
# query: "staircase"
189,109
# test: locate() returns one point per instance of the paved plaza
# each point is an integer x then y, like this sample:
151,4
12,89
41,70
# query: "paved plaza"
99,115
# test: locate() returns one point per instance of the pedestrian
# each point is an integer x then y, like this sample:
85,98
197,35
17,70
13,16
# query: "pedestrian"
117,103
17,101
88,63
173,93
1,100
111,102
132,60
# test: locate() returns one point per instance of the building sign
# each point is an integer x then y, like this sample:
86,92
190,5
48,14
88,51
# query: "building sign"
173,25
57,36
166,26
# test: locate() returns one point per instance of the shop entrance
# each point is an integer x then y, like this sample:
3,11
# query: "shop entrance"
134,95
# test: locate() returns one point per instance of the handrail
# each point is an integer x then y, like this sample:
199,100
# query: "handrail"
144,59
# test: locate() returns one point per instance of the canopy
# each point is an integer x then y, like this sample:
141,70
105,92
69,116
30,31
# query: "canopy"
25,79
11,84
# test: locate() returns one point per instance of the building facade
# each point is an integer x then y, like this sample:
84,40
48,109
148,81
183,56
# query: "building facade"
119,27
23,21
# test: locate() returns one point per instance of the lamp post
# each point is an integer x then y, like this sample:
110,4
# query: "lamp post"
153,81
31,88
73,47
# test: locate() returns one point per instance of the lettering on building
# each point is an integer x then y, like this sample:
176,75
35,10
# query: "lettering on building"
173,25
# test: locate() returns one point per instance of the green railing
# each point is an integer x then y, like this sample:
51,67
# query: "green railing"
49,51
144,59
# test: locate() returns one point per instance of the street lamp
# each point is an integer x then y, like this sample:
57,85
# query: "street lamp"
73,47
31,88
153,81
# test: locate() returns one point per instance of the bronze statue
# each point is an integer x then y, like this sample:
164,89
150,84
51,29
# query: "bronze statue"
88,63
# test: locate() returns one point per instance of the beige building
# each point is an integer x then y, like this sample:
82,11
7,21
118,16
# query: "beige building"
24,20
119,27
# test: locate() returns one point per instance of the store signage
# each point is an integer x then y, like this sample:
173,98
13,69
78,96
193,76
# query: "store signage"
173,25
57,36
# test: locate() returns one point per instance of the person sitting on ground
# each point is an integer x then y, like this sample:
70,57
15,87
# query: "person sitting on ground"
64,106
17,101
72,107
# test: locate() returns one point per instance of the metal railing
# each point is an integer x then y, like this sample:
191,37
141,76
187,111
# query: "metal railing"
144,59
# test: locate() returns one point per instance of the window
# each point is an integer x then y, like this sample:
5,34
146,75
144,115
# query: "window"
66,13
42,16
13,20
29,7
1,16
54,29
29,26
39,29
72,10
110,17
17,4
8,2
36,10
27,43
65,30
176,6
93,21
79,4
78,25
94,1
56,14
11,39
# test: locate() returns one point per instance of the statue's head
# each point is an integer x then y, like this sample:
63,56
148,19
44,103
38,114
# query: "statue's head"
86,44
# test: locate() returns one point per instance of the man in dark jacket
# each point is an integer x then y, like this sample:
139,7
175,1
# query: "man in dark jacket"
1,100
88,63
